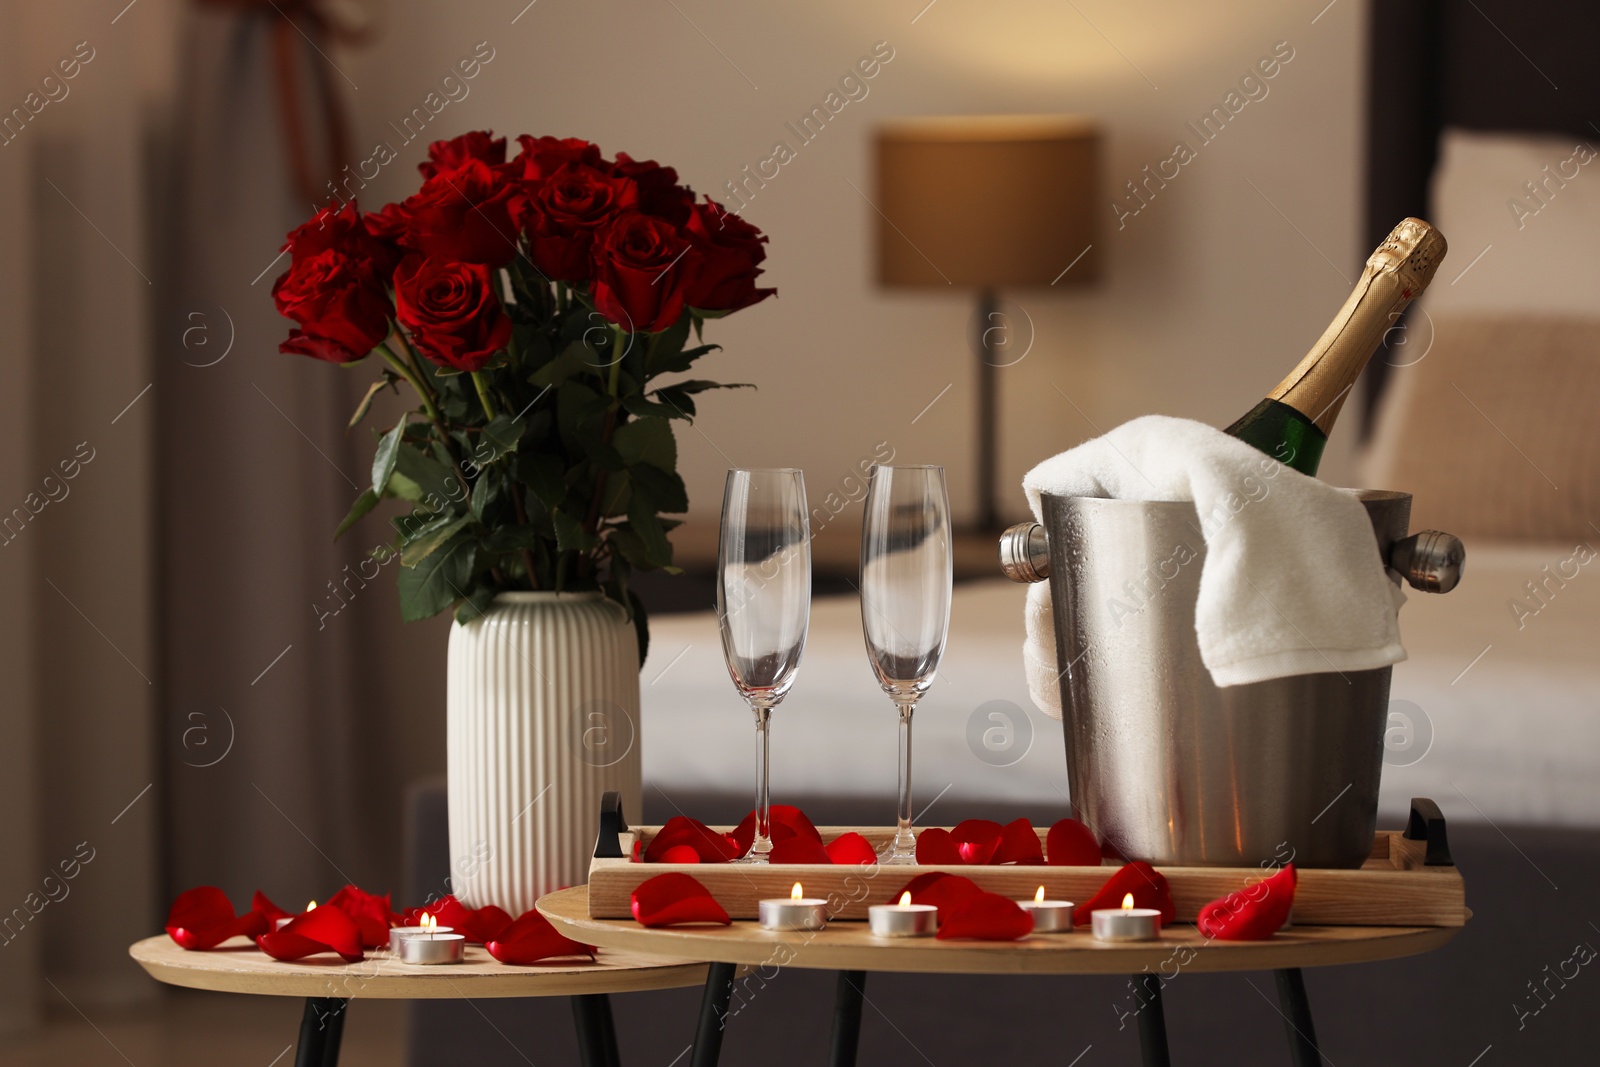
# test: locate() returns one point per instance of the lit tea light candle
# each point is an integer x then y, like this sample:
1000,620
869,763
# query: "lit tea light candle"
287,919
1049,916
1126,923
795,912
904,919
428,926
435,945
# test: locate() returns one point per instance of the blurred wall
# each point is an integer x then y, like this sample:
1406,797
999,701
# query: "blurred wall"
1212,291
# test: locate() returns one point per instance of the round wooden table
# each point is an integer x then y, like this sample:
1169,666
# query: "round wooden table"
852,950
329,984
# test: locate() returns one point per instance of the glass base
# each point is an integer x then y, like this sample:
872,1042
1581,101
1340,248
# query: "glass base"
897,859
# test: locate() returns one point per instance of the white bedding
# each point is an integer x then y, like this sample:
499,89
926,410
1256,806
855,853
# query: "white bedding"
1516,738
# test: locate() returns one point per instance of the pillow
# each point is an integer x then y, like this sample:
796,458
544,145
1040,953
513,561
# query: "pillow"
1530,207
1493,428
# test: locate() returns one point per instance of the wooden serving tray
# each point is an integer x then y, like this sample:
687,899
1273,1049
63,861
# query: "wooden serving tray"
1408,880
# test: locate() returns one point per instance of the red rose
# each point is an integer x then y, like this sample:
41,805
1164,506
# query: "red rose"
659,192
346,231
730,248
451,309
641,263
565,209
448,155
340,304
543,156
466,213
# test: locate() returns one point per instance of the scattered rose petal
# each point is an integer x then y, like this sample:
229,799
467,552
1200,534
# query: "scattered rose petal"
935,846
674,898
984,917
203,918
319,930
707,843
784,820
976,840
946,892
531,938
1254,913
1019,843
370,911
680,854
1072,844
1148,886
851,847
798,849
270,911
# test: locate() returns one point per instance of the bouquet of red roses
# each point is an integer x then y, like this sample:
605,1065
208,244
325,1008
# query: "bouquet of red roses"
534,305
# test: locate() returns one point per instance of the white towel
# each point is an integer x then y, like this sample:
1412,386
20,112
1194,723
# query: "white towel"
1291,584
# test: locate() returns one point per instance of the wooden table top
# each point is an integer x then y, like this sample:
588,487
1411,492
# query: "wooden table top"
851,946
237,966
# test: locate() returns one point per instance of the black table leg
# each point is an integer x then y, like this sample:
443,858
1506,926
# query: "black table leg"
713,1014
597,1035
847,1018
321,1027
1303,1050
1152,1021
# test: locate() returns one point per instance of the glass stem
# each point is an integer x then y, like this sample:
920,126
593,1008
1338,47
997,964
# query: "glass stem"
763,840
905,842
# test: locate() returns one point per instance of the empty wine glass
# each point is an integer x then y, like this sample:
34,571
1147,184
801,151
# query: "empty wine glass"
763,601
905,602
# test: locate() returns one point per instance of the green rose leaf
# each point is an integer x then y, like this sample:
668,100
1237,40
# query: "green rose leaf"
437,581
647,440
383,461
364,504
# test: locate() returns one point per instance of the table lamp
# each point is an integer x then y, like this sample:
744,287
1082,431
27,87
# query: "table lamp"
986,202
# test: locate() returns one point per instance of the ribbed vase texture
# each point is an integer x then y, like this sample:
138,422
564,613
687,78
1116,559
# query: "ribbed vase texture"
543,718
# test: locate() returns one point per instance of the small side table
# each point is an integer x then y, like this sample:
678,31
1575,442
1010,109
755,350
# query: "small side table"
329,984
850,949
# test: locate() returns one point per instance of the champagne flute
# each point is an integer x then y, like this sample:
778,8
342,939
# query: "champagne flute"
905,602
763,602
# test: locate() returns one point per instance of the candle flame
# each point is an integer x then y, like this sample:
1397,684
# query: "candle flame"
796,893
1039,896
905,899
1127,902
428,921
312,906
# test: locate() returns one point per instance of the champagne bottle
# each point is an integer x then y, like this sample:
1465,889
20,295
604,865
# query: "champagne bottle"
1293,422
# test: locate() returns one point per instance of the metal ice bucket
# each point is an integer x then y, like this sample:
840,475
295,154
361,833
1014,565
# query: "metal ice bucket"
1164,765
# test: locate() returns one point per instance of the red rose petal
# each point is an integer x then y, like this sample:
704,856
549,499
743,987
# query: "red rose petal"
260,902
947,892
1148,886
1072,844
323,929
851,847
936,846
1019,843
370,912
680,854
784,820
984,917
1254,913
797,849
531,938
203,918
670,899
976,840
709,845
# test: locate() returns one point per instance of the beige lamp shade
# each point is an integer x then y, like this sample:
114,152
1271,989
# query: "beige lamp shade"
988,201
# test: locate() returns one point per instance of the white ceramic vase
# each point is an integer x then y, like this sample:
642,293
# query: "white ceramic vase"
543,717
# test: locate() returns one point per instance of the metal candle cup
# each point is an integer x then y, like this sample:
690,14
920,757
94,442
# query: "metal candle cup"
1126,923
795,912
904,919
1049,916
431,948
